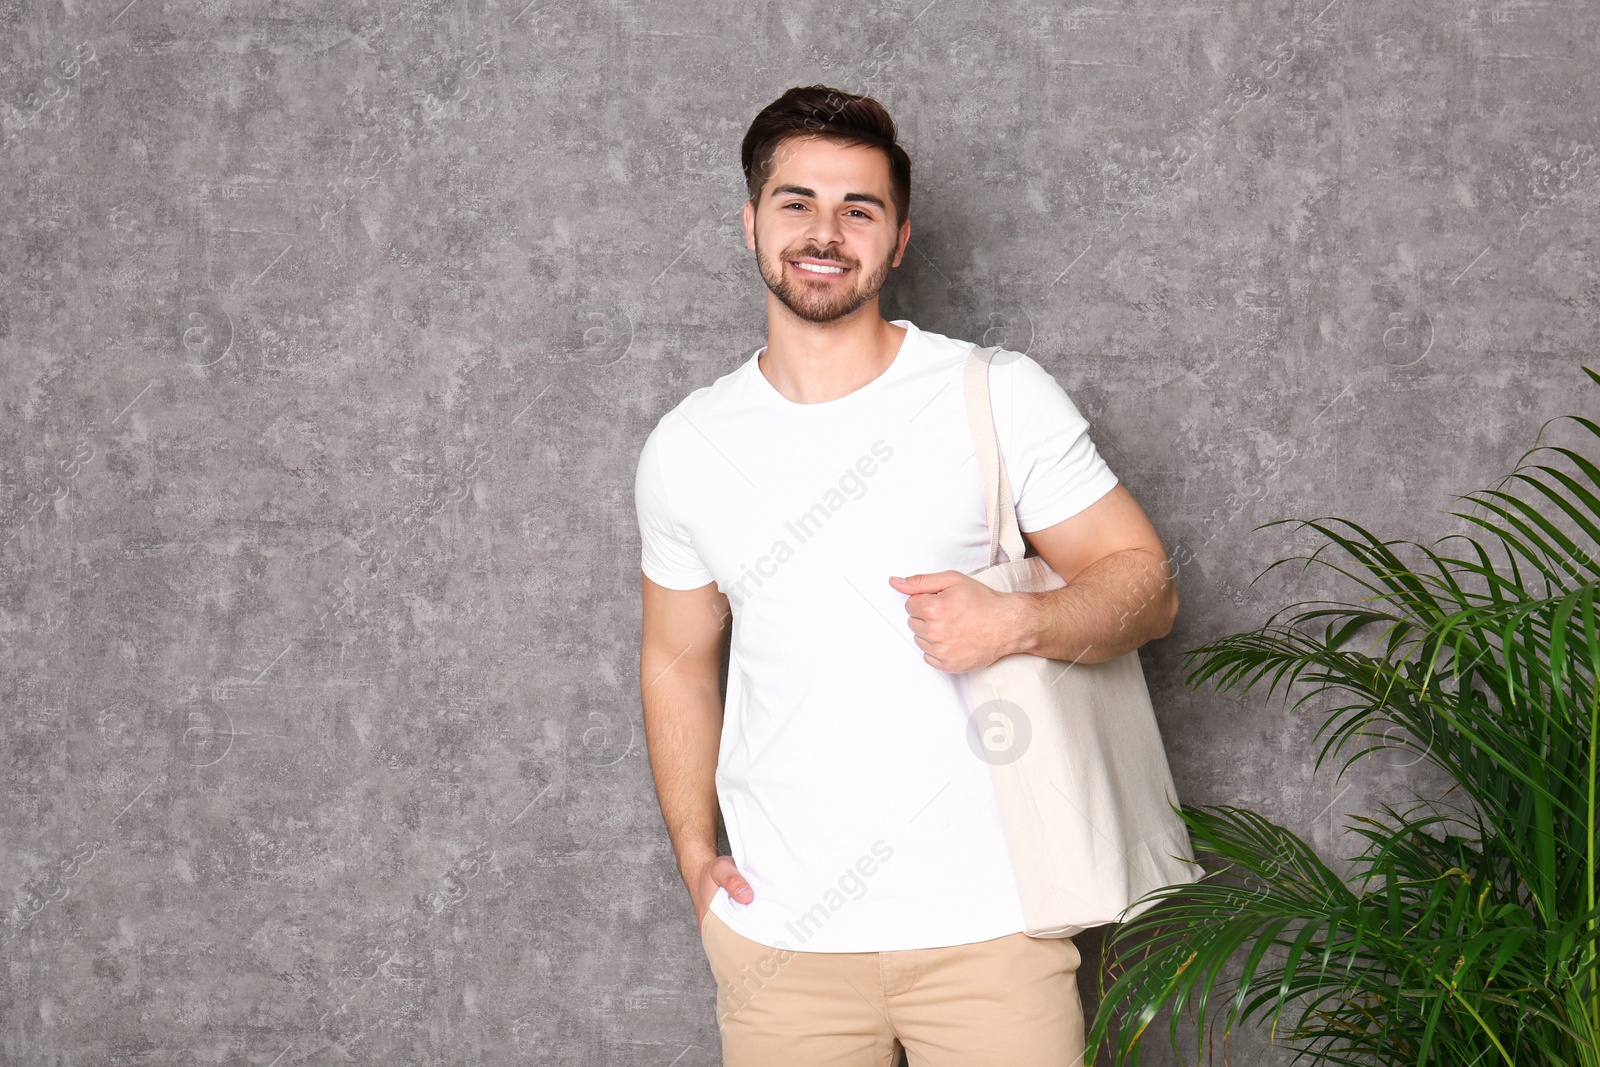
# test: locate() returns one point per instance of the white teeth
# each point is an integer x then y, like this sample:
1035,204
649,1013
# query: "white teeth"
813,268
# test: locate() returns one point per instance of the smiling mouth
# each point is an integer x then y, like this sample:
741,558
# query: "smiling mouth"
821,270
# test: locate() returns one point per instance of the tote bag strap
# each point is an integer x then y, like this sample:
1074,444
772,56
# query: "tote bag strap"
998,508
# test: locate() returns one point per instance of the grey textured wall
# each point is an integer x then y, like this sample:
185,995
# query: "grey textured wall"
330,334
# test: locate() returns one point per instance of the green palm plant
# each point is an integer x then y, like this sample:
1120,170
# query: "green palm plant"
1463,937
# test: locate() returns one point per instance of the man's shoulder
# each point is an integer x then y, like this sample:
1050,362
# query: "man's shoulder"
937,346
996,336
1021,388
702,405
951,354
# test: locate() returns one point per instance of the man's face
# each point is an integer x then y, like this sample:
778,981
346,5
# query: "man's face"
827,206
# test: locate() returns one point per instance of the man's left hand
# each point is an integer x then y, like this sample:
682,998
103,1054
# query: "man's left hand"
959,623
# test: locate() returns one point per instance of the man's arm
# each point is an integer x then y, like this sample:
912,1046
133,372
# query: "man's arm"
1119,594
680,663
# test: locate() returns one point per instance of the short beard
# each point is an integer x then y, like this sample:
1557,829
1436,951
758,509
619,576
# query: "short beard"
819,306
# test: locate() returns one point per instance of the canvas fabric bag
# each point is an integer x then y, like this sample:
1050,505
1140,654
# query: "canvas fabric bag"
1079,770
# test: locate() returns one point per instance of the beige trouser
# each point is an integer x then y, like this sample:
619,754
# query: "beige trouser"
1007,1002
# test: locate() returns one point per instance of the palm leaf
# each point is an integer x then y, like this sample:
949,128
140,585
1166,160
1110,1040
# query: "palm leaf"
1468,935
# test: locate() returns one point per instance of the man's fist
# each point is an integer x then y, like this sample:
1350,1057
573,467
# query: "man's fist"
959,623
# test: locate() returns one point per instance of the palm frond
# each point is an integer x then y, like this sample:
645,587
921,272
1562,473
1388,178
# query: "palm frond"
1467,936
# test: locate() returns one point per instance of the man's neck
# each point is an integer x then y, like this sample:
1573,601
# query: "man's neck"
812,363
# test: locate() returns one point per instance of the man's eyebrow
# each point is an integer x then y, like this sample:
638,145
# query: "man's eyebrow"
860,198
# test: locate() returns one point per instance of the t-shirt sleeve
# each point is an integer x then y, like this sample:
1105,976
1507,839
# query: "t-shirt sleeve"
667,554
1054,469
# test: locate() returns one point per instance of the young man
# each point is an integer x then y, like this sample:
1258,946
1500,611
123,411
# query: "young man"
823,503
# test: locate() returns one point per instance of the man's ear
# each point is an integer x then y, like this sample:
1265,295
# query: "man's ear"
750,225
903,240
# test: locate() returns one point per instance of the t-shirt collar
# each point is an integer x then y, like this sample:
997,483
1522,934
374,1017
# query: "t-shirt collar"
902,358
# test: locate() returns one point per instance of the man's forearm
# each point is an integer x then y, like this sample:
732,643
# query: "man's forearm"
683,729
1112,607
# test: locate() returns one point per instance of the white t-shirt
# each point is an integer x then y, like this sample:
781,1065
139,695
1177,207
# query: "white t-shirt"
854,804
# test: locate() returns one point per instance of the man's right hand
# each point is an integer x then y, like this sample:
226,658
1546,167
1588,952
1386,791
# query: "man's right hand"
718,871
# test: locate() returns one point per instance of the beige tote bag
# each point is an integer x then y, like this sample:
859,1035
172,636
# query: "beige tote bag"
1079,771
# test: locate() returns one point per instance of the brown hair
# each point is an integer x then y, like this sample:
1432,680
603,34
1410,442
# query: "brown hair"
842,117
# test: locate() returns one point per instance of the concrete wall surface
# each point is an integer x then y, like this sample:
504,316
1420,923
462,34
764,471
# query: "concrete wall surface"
330,333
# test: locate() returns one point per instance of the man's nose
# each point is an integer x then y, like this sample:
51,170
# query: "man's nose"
824,230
